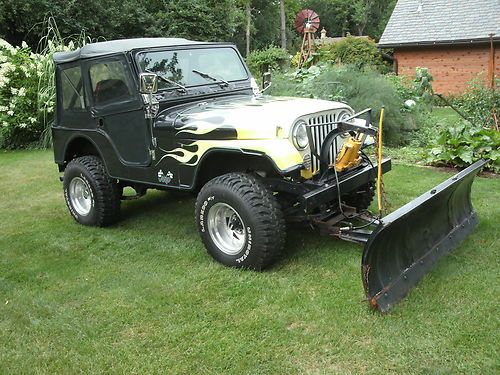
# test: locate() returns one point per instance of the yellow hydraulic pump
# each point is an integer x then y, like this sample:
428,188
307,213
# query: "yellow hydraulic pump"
349,155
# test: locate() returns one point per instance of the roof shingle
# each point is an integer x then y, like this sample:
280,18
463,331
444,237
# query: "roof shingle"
441,22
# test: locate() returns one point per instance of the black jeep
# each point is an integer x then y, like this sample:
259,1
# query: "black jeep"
174,114
177,114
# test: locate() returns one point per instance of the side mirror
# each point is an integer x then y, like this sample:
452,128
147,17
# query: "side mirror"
149,83
266,80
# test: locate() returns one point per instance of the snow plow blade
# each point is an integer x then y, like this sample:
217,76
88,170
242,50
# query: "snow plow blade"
407,242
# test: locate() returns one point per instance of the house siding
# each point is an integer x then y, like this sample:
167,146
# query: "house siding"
452,67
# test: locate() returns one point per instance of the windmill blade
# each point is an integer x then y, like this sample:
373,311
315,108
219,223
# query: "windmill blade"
306,16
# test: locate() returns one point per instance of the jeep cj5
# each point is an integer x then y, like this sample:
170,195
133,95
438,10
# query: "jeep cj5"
174,114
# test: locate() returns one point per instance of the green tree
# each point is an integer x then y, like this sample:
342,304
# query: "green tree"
335,15
111,19
359,17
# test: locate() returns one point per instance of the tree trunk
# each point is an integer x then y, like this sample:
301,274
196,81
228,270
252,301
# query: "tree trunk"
283,24
248,12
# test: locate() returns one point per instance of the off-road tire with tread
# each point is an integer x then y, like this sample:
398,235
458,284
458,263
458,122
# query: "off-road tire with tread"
104,191
260,214
362,197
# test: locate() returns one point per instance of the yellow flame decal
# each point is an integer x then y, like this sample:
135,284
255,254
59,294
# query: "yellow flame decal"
201,127
283,153
183,156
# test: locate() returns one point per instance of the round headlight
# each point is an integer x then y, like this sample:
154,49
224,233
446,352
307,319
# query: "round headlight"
344,116
299,135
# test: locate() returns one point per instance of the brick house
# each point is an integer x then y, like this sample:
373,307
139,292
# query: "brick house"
452,38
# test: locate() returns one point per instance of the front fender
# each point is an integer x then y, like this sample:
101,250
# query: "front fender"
281,151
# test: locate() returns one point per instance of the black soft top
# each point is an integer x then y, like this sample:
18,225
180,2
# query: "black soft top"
117,46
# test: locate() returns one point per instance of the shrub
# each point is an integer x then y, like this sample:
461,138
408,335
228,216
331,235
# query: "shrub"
403,85
464,144
358,88
359,52
272,58
469,141
27,89
19,119
50,43
477,103
294,62
423,86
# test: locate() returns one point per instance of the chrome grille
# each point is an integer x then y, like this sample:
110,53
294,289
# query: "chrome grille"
320,127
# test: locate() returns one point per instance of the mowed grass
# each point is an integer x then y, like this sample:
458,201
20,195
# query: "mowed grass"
144,297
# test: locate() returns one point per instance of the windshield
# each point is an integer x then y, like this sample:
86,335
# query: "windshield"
217,64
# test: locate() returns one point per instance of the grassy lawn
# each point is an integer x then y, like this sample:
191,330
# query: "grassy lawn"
144,297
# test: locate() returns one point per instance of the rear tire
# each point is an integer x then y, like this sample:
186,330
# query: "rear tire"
92,197
240,221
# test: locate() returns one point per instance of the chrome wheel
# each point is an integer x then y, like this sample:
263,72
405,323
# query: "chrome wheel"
226,228
80,196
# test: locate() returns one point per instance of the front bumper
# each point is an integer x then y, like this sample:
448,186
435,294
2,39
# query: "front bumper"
327,192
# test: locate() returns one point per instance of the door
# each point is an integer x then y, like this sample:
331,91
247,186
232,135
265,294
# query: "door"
118,110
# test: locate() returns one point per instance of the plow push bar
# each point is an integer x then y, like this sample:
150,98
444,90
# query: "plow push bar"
406,243
400,248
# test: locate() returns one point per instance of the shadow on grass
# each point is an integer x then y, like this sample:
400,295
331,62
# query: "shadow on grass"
173,212
157,203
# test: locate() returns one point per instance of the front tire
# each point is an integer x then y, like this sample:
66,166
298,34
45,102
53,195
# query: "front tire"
240,221
92,197
362,197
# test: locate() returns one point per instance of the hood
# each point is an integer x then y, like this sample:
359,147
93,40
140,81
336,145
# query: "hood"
242,117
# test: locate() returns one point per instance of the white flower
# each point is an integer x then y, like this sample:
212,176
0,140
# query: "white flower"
8,67
10,113
12,105
3,108
21,91
5,124
32,119
410,103
13,91
4,44
22,125
24,45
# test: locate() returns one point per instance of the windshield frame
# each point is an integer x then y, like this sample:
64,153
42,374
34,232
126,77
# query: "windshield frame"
138,53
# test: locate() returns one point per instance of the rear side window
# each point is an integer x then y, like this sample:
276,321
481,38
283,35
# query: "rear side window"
73,96
109,83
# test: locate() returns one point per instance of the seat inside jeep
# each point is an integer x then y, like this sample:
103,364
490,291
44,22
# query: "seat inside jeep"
110,90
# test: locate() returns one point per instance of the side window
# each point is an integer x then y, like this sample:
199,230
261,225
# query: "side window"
109,83
73,96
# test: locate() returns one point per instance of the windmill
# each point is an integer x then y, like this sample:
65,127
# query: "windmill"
307,23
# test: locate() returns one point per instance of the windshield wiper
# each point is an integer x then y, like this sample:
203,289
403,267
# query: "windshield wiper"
165,79
208,76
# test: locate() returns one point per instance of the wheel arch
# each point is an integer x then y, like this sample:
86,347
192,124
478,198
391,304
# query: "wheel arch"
217,162
79,145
